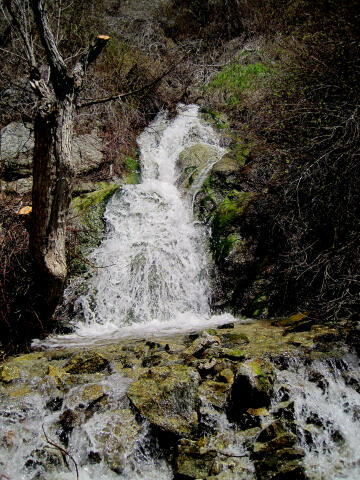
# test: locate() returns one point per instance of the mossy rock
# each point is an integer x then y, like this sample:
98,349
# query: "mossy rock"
252,389
194,460
192,161
233,339
215,393
232,208
227,165
88,219
168,397
232,354
9,373
86,362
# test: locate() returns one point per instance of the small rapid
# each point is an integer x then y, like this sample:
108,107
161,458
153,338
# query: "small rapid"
326,398
151,269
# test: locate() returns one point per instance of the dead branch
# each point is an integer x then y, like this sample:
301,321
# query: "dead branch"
120,96
63,452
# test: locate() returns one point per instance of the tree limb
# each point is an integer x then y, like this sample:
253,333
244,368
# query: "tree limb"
18,19
63,452
89,56
120,96
59,75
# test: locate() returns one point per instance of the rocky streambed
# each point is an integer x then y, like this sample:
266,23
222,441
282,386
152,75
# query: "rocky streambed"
242,401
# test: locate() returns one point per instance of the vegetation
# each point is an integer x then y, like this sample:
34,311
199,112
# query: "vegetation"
280,83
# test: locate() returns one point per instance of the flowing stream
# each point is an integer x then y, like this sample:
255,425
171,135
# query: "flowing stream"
152,278
152,266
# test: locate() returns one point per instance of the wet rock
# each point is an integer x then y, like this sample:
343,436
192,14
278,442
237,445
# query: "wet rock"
194,460
85,362
252,388
225,376
68,420
115,440
9,373
54,404
202,344
226,326
45,459
285,410
234,339
214,393
281,467
167,397
319,380
270,432
275,456
192,160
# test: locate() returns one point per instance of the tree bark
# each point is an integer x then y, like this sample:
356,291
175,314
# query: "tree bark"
51,198
53,169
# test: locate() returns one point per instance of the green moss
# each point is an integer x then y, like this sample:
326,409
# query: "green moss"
224,246
89,210
232,207
236,79
132,169
86,202
241,152
232,354
218,120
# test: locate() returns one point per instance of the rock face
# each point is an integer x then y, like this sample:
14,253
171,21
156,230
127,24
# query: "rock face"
167,397
17,146
228,210
192,161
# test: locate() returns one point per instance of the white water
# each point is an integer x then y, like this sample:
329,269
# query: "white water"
25,454
327,415
152,266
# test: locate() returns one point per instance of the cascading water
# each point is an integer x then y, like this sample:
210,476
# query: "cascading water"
152,264
152,279
327,415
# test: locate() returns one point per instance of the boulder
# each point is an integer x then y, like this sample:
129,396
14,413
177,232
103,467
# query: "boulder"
192,161
168,397
21,186
252,389
115,438
17,147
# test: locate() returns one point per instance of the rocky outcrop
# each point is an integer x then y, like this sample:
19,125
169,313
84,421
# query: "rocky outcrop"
17,146
173,390
192,161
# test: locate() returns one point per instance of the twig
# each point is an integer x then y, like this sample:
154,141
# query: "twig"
63,452
120,96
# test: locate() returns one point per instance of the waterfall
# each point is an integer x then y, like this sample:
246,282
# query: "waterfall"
327,415
152,266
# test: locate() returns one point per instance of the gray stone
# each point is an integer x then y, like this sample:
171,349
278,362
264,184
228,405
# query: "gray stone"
16,147
87,152
167,397
21,186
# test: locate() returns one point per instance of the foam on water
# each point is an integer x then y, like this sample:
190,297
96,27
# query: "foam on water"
152,266
327,415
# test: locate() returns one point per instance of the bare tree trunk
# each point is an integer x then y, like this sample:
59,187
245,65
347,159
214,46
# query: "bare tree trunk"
52,190
53,168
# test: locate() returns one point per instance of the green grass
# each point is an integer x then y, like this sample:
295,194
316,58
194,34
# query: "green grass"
236,79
